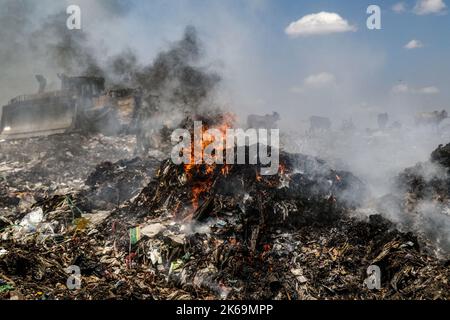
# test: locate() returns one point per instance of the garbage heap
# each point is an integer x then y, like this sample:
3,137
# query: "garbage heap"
422,197
427,180
37,168
214,232
227,232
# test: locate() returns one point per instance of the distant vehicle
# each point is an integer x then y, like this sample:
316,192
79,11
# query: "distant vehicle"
318,124
430,118
348,125
82,104
263,122
396,125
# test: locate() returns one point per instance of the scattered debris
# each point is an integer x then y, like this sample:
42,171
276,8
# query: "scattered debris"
422,199
145,229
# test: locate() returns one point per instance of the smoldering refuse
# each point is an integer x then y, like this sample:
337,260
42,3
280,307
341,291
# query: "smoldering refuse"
209,145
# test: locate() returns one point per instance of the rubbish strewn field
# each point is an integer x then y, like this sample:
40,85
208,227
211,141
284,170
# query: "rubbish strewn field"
144,228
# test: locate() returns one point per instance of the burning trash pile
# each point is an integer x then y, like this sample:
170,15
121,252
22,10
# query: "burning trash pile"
219,231
227,232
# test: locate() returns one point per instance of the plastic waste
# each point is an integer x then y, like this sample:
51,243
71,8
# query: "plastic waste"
31,221
3,252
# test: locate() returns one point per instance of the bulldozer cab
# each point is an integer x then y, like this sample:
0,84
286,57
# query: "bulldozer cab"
47,113
87,87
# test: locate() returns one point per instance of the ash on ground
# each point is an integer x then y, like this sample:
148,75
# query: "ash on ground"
144,228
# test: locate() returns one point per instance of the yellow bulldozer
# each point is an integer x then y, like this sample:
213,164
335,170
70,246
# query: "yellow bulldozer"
82,104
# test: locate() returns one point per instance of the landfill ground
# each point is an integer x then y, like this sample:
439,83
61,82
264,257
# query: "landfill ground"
144,228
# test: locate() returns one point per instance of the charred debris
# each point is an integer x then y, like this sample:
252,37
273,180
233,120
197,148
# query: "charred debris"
146,228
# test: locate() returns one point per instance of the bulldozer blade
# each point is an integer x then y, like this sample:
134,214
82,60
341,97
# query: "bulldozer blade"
35,118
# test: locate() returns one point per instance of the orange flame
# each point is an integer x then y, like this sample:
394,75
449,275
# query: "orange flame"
205,172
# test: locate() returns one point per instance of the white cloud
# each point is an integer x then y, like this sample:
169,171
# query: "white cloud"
400,88
399,7
429,90
424,7
413,44
320,80
316,81
319,24
403,88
